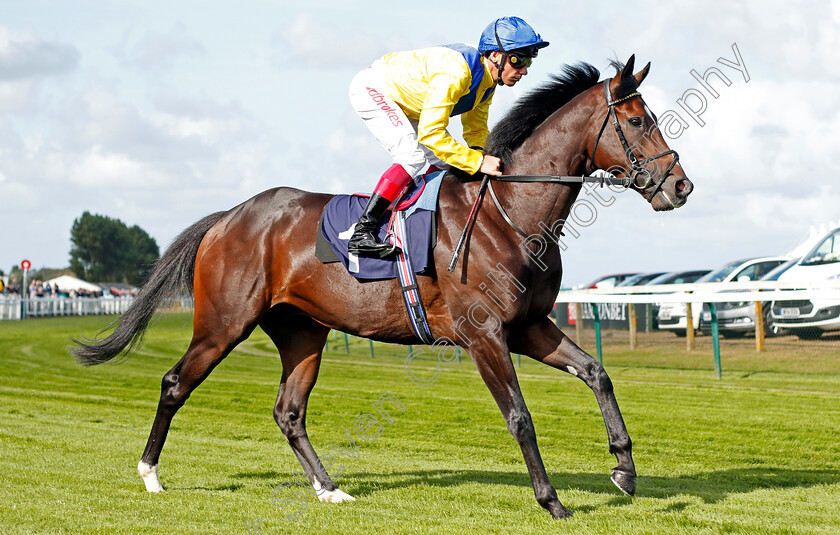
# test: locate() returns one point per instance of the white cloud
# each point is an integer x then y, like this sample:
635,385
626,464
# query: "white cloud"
313,43
778,213
158,51
24,57
96,169
203,119
197,108
144,132
761,165
766,136
25,62
17,96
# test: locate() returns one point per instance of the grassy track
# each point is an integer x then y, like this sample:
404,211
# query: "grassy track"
756,452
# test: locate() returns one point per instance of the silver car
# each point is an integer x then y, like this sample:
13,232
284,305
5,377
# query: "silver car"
738,318
672,315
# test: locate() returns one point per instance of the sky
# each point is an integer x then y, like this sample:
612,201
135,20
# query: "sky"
158,113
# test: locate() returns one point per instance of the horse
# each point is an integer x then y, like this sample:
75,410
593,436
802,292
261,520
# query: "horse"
254,265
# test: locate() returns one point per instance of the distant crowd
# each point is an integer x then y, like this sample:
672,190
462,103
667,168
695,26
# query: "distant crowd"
41,289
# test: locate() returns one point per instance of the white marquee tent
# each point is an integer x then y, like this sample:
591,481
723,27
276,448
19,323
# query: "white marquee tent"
68,282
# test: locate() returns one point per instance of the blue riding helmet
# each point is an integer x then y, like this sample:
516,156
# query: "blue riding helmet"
510,33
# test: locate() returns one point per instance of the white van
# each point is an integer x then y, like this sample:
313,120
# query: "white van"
810,318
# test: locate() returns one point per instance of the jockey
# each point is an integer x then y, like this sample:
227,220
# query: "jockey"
407,98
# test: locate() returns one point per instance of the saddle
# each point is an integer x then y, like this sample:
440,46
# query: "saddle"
417,212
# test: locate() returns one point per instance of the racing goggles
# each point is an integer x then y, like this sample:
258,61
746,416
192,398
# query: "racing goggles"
519,61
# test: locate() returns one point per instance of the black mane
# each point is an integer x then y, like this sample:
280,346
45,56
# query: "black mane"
536,106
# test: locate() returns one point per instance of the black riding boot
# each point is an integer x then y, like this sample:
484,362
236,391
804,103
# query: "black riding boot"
364,242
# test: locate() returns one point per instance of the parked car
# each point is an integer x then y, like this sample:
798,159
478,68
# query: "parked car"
811,318
680,277
738,318
672,316
674,277
608,281
639,280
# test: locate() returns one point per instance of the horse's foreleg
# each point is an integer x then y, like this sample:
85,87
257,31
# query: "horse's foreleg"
300,341
543,341
493,362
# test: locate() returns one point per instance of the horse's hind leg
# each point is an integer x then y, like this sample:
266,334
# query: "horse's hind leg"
543,341
214,337
300,341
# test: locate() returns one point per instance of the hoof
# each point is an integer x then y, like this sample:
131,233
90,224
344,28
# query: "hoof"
553,506
335,496
330,496
625,482
560,512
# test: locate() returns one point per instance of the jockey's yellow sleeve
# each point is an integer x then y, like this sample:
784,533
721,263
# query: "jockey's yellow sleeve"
427,84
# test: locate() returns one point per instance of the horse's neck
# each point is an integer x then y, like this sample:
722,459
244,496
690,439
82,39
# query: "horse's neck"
557,147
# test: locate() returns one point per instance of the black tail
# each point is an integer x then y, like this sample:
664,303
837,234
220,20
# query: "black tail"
171,274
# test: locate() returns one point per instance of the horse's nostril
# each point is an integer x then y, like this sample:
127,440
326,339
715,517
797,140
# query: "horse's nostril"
683,187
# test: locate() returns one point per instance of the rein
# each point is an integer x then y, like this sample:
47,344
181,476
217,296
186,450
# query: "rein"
554,179
486,184
562,179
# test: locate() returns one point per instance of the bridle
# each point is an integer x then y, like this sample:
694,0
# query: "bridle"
636,165
636,169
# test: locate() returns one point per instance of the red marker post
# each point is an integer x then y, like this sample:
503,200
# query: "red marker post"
25,265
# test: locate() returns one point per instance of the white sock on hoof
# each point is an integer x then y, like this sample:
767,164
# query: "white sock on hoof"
150,477
330,496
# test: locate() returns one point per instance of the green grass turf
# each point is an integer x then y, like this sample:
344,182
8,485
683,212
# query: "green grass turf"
755,452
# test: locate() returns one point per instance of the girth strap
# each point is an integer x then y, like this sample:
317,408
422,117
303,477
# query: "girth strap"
408,283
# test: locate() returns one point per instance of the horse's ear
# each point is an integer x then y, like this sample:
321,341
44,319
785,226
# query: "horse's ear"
628,68
640,76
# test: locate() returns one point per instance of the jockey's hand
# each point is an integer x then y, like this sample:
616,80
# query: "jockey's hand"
491,165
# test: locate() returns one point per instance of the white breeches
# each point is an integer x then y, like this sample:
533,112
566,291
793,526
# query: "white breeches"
389,124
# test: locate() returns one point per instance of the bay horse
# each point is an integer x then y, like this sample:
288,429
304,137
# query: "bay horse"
254,265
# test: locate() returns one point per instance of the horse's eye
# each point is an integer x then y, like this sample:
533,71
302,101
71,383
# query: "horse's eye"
636,121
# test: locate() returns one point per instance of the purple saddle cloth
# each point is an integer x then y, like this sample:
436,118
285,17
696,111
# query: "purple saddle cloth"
342,213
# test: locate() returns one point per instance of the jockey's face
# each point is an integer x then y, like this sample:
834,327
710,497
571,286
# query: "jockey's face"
510,74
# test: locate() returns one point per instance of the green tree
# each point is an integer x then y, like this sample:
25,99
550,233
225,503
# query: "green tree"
143,253
46,273
106,250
